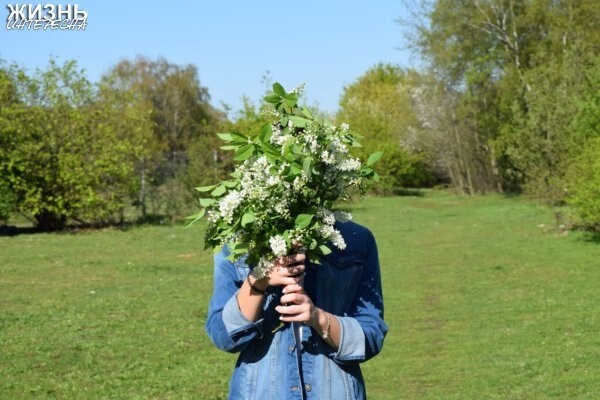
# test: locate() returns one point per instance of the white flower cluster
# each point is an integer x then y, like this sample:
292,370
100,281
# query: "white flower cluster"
277,137
342,216
329,232
350,164
327,216
299,89
256,178
327,157
228,205
311,141
278,245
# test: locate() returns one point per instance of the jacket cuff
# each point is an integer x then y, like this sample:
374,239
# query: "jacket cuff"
236,323
352,341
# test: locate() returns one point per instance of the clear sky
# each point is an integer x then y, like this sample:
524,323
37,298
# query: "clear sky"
326,44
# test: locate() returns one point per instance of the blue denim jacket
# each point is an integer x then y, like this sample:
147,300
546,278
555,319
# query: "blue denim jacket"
271,364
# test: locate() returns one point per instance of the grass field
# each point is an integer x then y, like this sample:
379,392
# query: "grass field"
485,299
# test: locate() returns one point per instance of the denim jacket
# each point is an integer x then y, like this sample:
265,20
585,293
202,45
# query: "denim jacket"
292,361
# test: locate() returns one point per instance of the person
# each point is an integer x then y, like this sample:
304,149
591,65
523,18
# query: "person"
302,330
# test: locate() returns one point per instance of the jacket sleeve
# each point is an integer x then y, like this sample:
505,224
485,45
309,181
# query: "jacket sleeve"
363,327
226,326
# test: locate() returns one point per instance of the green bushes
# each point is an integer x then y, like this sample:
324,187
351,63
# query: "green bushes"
584,185
95,154
378,105
66,153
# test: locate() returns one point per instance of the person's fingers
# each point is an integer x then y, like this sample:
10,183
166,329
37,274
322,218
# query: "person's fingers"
291,310
293,298
293,288
295,280
294,260
291,271
295,318
288,310
296,271
288,270
297,258
291,260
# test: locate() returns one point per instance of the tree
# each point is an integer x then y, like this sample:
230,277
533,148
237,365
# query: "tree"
446,130
208,163
378,106
542,138
8,99
582,179
66,155
181,114
516,68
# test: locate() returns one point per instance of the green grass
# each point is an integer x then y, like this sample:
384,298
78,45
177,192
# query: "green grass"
483,302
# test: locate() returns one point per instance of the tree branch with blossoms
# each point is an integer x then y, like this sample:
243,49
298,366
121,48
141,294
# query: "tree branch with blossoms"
282,192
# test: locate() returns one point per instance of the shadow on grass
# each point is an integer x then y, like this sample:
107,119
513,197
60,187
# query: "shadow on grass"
10,230
150,219
400,192
409,192
591,237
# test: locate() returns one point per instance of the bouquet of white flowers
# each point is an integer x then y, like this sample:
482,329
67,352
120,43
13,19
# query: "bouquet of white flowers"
280,196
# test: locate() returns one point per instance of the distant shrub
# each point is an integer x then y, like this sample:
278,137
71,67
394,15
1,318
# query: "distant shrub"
6,204
584,185
400,169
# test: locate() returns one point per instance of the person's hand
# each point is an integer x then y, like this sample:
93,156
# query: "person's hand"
296,306
286,271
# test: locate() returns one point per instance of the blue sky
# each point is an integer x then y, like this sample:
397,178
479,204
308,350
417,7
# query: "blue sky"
326,44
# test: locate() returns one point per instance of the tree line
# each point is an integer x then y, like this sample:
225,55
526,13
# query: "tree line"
507,100
96,154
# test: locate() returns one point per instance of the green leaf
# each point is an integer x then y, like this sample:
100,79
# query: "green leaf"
240,138
273,99
265,134
278,89
205,188
307,113
272,158
270,150
233,137
374,157
200,214
244,153
307,166
299,121
295,168
303,221
230,147
297,149
291,96
230,184
247,218
227,137
219,190
207,202
324,250
239,250
194,218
